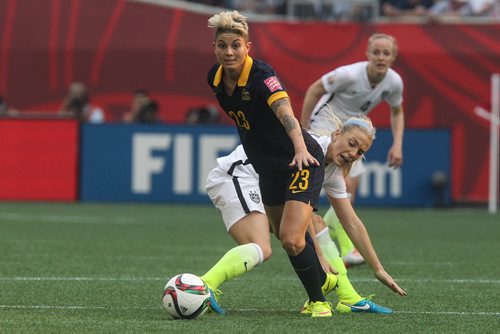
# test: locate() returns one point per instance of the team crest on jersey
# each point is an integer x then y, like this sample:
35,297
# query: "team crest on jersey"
330,79
273,84
245,95
254,196
384,94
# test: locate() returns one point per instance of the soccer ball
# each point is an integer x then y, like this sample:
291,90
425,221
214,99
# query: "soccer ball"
186,296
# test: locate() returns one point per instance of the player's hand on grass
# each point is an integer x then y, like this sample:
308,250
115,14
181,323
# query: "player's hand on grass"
386,279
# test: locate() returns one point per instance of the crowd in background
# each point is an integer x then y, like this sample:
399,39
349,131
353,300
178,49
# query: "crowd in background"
362,11
144,109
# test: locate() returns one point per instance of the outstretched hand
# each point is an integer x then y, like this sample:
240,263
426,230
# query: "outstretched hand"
387,280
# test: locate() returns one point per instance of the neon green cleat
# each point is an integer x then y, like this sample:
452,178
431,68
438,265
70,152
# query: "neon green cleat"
320,309
329,285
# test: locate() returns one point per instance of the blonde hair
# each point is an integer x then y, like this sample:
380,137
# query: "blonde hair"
389,37
362,122
229,22
334,123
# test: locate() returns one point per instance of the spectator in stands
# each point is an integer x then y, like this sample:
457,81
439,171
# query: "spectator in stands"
148,113
270,7
3,106
77,104
216,3
139,99
445,10
405,8
203,115
7,110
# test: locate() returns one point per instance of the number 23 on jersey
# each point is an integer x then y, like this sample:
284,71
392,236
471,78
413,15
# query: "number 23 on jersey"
240,119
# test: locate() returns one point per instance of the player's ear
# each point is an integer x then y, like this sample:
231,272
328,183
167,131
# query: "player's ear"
249,45
335,135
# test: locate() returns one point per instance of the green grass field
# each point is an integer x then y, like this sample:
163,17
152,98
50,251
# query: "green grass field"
85,268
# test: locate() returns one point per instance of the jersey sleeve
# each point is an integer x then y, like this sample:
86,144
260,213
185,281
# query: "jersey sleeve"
270,87
334,184
335,80
395,98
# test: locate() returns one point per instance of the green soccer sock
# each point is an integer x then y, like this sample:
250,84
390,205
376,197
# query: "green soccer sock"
337,232
236,262
345,291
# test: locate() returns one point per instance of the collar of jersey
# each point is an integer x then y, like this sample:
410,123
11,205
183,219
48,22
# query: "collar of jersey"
242,80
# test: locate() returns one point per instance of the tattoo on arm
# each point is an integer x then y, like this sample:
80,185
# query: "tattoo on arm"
278,103
288,121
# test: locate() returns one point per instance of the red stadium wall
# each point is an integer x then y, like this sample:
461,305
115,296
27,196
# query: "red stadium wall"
116,46
38,160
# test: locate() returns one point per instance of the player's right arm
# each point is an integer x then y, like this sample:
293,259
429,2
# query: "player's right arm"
313,94
395,154
284,112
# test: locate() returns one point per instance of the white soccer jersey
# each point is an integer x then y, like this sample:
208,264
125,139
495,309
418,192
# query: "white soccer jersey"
349,93
334,182
233,186
236,164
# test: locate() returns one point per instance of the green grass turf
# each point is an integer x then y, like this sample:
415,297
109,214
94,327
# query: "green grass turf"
80,268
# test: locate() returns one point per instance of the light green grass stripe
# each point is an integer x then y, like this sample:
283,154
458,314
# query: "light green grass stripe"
141,279
77,307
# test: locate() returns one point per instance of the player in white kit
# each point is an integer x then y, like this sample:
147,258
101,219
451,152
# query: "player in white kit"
349,91
233,187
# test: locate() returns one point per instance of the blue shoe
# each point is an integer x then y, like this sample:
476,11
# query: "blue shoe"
213,304
363,306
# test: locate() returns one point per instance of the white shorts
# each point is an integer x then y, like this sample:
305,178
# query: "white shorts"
235,197
357,168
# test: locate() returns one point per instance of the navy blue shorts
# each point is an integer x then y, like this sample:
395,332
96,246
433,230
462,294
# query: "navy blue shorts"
277,187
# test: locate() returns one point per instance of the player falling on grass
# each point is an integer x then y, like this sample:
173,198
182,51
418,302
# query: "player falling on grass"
288,160
346,92
233,188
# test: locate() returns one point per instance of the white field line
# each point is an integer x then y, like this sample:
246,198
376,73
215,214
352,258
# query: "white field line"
80,307
161,279
55,278
53,218
415,264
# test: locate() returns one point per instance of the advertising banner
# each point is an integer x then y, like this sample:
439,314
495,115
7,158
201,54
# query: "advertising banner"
163,163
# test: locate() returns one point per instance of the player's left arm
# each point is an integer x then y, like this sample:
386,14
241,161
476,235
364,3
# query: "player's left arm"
284,112
357,232
395,154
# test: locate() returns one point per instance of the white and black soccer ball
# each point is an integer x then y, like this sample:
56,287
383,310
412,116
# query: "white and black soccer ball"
186,296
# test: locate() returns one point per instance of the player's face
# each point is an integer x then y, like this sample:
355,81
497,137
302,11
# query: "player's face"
349,146
380,56
231,50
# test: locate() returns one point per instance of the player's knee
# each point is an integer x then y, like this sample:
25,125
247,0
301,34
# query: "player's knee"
292,245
